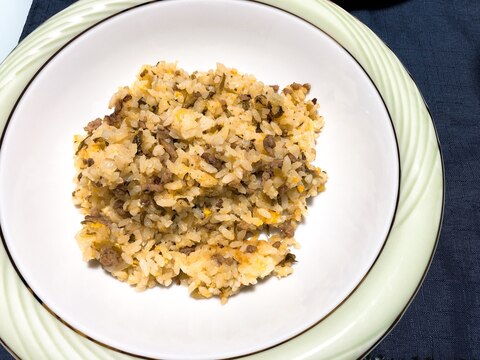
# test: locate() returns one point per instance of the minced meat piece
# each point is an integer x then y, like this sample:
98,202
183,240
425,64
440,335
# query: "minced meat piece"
219,259
109,257
266,175
92,125
269,144
137,140
188,250
287,229
212,160
170,149
166,176
296,86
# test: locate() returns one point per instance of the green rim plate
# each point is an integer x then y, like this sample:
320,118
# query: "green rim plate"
30,331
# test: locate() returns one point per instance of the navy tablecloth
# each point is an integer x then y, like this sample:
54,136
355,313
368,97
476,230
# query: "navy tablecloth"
439,43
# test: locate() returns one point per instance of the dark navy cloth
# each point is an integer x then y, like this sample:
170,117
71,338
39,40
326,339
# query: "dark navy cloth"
439,43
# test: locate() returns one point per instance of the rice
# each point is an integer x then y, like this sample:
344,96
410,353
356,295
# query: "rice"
198,179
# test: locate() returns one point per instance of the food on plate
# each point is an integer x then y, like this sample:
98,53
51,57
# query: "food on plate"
199,179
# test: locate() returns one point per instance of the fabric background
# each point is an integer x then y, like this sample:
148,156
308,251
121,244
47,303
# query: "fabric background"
439,43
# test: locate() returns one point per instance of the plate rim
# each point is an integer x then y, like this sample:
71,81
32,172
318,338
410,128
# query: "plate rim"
279,4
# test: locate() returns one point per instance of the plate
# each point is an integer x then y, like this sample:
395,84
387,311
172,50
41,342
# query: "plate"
380,151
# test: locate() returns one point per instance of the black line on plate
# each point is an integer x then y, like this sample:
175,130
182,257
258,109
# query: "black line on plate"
9,350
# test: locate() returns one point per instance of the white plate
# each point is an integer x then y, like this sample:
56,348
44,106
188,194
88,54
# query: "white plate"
343,233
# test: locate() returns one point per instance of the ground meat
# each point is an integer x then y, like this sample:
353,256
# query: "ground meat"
292,158
127,97
276,244
188,250
210,226
118,207
166,176
282,190
92,125
162,134
302,167
269,144
169,148
314,101
275,87
287,91
245,101
296,86
287,229
120,190
118,106
230,261
242,225
277,163
109,257
266,175
90,162
118,204
95,219
114,120
307,86
250,249
268,167
219,259
212,160
137,139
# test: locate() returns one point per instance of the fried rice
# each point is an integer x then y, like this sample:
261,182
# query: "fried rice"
199,179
